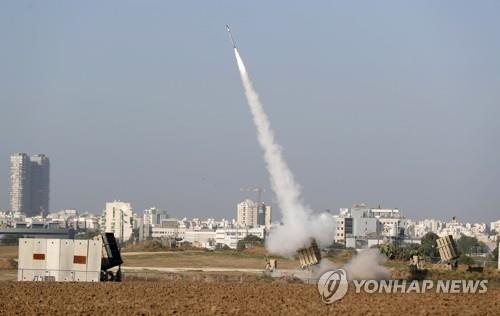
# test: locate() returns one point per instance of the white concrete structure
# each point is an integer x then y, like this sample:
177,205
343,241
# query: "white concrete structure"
118,217
20,183
72,218
153,216
361,222
495,226
457,229
201,238
9,219
340,228
386,212
168,232
29,184
231,236
454,228
249,213
59,260
88,222
206,237
427,225
391,222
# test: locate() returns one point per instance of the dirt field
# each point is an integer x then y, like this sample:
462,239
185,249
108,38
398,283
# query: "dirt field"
186,258
225,298
8,252
8,255
201,259
187,293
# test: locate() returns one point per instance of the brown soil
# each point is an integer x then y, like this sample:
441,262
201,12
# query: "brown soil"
8,251
7,264
8,256
203,259
225,298
148,245
256,251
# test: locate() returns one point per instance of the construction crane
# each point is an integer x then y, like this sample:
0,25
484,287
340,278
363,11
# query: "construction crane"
259,193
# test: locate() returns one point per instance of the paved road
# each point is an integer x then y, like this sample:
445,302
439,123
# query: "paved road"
205,269
137,253
305,276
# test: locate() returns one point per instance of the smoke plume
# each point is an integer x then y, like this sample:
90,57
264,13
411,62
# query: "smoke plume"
299,222
367,265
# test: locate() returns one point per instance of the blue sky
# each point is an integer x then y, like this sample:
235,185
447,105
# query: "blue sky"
391,103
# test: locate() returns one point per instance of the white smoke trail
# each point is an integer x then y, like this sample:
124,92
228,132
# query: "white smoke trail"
299,223
367,265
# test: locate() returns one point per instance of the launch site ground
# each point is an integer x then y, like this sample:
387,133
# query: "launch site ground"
224,282
185,297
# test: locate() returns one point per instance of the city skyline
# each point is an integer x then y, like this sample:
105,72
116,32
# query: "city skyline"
37,162
361,222
391,104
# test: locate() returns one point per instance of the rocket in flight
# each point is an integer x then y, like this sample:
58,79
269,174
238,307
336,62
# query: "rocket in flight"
230,36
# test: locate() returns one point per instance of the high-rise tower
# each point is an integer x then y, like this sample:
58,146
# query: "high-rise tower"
40,184
29,184
20,181
250,213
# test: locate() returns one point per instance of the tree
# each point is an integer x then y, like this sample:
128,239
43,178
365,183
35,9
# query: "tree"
248,242
467,245
428,245
395,252
465,259
411,250
494,254
389,250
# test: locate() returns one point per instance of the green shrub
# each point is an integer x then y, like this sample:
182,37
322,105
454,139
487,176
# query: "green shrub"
464,259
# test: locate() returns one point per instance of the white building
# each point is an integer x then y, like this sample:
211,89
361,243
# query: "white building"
495,226
359,221
231,236
343,226
9,219
87,221
29,184
118,218
168,232
249,213
204,238
454,228
427,225
207,238
362,222
153,216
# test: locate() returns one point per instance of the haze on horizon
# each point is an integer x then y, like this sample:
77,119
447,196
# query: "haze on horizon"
382,103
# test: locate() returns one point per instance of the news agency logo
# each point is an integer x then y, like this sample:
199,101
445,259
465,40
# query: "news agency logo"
333,285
